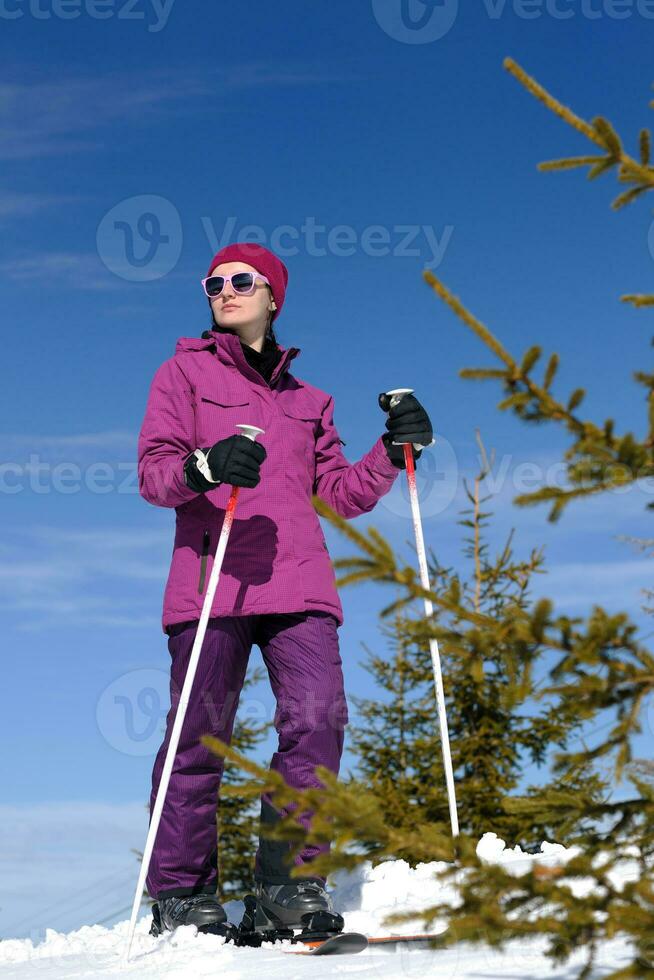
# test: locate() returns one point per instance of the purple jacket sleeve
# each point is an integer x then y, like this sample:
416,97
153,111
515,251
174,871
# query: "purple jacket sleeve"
166,438
349,488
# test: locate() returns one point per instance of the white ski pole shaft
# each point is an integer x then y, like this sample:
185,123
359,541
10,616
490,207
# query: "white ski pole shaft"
251,431
395,396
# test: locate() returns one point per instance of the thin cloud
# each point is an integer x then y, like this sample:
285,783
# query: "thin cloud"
261,73
74,269
71,115
111,438
86,577
46,117
16,205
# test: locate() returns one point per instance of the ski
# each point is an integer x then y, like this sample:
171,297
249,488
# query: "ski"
336,945
356,942
422,939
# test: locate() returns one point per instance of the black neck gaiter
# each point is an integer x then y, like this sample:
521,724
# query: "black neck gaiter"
264,361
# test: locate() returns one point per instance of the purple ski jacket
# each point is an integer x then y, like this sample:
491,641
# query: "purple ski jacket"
276,559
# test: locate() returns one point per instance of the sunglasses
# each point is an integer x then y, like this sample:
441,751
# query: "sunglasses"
243,283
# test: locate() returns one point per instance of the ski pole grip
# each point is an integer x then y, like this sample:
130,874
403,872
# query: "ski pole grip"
387,399
249,431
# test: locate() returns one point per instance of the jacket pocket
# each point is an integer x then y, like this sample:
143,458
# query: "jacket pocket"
217,414
301,428
225,400
203,560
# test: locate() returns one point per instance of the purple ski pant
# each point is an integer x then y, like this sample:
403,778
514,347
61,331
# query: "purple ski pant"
301,653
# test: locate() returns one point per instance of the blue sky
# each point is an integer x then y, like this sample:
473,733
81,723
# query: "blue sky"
215,120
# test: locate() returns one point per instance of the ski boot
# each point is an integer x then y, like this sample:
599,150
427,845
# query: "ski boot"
203,911
276,910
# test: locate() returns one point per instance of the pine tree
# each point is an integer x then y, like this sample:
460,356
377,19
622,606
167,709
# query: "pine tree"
496,721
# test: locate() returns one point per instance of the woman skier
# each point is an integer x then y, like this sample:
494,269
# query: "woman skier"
277,585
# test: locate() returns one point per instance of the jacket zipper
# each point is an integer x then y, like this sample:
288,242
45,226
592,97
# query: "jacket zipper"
203,561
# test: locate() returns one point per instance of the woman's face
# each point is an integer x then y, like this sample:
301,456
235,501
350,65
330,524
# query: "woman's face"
232,309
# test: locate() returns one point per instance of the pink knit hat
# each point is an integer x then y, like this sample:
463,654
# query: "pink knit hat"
263,261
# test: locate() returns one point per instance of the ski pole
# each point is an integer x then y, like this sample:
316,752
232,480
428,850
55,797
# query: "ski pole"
394,397
251,431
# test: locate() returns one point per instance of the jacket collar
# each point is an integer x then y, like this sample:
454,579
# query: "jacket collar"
229,351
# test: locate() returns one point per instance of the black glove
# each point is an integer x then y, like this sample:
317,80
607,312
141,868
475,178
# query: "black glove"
234,460
407,422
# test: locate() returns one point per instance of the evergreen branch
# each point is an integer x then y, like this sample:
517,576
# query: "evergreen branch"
568,163
596,457
609,136
645,146
324,510
475,325
629,196
482,373
553,104
560,497
600,132
638,299
514,373
605,164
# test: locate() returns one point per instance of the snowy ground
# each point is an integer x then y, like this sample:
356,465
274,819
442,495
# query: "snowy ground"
364,898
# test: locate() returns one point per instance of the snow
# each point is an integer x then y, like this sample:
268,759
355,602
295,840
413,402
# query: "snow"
364,897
